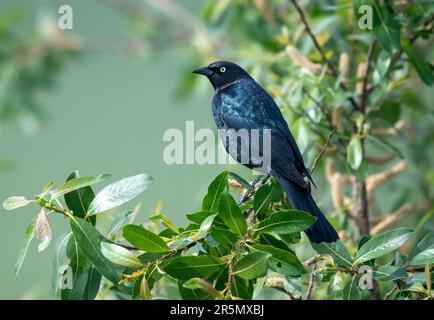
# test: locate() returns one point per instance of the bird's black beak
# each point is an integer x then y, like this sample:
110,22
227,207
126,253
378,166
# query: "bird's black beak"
203,71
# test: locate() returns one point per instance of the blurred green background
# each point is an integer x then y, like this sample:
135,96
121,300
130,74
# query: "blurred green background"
106,114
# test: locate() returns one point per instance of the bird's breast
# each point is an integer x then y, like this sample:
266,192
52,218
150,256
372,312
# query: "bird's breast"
236,103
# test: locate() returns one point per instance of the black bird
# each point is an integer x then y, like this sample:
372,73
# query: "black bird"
239,102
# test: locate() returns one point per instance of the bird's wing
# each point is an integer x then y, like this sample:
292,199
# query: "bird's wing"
273,111
282,157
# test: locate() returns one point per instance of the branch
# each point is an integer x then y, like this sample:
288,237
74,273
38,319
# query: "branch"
320,50
321,107
322,151
312,36
302,61
380,160
360,207
311,260
360,193
387,132
234,184
365,92
396,216
255,185
399,53
337,183
278,283
376,180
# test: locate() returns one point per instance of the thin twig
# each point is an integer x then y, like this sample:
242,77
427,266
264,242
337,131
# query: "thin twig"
312,36
365,94
311,260
321,107
398,53
322,151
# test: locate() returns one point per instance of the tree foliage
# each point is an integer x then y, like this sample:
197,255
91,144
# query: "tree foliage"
223,253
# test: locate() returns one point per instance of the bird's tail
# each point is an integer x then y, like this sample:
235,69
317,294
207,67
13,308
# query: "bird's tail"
301,199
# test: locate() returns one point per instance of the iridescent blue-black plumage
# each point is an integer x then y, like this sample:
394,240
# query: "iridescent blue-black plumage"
239,102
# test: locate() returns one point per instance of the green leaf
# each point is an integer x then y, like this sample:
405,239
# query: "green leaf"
77,183
85,278
283,222
231,214
145,292
241,181
252,266
389,273
89,240
15,202
197,283
188,267
191,294
385,27
159,217
390,111
423,68
46,188
415,287
382,244
119,255
290,238
335,286
386,145
262,200
119,193
283,262
242,288
207,223
149,257
355,153
28,237
144,239
121,220
118,223
78,200
212,199
268,239
222,236
351,290
424,251
336,250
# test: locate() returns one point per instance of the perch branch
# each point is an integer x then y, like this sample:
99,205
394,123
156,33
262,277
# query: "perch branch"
257,183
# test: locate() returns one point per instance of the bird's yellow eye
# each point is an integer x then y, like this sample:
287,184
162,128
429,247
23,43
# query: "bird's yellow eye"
223,69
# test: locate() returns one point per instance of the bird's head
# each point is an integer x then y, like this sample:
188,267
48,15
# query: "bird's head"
222,73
